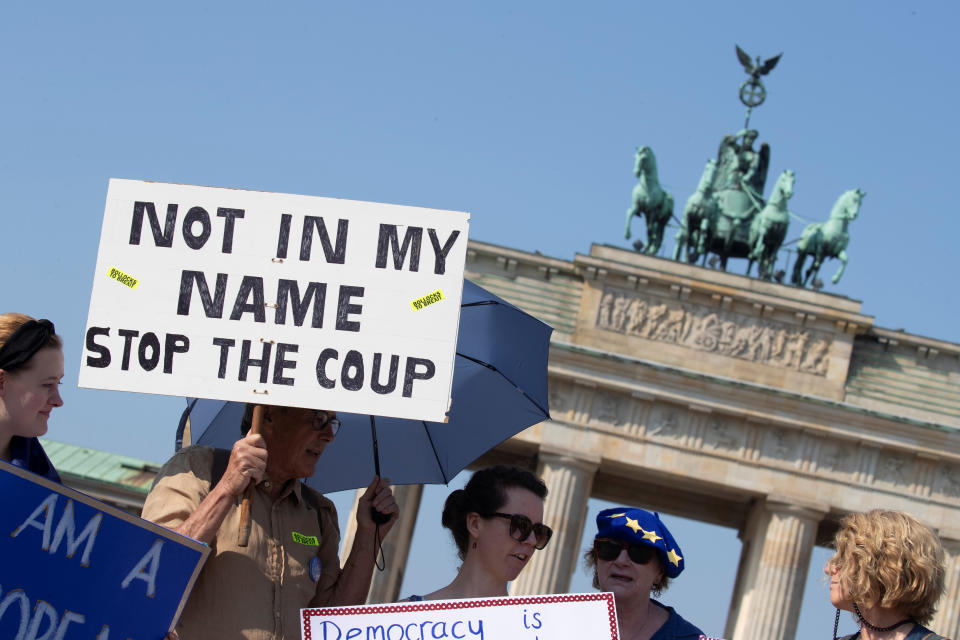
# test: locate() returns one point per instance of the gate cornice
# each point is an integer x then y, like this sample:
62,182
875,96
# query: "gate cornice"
635,378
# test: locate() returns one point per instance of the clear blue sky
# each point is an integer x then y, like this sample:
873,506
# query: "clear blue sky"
524,114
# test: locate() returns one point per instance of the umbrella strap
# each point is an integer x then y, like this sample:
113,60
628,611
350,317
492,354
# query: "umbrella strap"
379,560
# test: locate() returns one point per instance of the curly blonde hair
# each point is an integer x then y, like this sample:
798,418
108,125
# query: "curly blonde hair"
889,559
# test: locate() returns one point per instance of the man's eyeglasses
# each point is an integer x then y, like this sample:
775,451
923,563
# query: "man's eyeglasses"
521,526
610,550
321,419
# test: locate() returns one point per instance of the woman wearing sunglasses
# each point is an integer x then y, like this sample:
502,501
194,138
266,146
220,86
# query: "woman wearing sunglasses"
496,524
634,555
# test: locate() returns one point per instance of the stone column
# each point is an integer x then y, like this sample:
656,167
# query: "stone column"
777,542
569,480
946,621
385,586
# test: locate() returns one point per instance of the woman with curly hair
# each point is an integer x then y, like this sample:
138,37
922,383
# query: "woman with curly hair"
31,366
887,571
496,523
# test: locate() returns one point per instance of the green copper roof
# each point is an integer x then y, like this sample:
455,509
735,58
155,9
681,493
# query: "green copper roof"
101,466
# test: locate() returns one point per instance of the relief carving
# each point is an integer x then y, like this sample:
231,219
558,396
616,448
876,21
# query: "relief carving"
664,424
721,332
780,444
836,458
894,469
949,481
558,400
721,435
607,409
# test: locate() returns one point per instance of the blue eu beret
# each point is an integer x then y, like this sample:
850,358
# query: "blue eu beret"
641,527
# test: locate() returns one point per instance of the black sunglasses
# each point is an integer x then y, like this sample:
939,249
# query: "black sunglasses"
610,550
521,526
321,419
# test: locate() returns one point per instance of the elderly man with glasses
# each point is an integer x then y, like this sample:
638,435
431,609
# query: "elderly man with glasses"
290,561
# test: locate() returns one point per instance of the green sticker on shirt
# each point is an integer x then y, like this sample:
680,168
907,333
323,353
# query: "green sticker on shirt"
307,540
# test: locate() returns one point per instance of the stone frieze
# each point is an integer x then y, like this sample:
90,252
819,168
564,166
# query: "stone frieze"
714,330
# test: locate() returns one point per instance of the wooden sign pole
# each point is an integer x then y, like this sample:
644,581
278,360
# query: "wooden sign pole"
244,533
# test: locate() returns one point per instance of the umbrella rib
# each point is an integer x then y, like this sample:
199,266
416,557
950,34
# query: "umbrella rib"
479,303
436,455
515,386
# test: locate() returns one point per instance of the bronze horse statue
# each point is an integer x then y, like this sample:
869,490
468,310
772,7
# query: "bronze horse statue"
827,239
691,238
649,199
732,232
769,227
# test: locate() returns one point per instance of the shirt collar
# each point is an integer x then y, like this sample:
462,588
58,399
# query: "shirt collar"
27,453
292,487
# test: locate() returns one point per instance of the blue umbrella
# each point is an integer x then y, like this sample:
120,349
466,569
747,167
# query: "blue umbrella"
499,389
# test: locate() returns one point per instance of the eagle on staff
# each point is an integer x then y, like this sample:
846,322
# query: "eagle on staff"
752,91
756,69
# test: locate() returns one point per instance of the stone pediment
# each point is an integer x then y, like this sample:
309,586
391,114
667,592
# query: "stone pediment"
716,322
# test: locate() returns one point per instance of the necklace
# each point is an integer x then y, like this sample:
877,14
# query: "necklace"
866,624
646,622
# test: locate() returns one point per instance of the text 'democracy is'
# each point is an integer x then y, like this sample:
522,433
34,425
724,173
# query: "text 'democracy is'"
574,615
75,568
276,298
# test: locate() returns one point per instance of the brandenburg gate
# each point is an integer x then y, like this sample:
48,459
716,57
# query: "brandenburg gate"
767,408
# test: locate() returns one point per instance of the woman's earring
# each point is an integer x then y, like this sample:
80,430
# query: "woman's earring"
474,546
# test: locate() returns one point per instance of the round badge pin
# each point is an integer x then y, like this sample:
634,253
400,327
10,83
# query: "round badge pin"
315,568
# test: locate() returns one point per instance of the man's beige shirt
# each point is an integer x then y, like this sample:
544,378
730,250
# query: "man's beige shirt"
256,591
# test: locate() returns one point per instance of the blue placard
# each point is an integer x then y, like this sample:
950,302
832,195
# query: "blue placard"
74,568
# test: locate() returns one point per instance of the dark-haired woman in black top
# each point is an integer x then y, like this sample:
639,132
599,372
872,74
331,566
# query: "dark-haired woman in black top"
496,523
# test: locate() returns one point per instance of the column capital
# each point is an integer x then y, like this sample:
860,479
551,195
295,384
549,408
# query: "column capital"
796,506
583,460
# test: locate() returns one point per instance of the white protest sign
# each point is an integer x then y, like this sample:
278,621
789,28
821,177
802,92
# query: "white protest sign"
276,298
575,615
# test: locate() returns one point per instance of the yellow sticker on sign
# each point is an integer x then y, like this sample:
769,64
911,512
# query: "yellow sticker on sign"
123,278
427,300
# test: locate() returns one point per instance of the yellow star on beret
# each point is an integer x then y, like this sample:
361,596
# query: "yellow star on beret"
673,557
650,535
633,524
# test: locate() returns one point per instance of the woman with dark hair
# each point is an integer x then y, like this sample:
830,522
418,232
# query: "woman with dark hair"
887,571
634,555
31,367
496,524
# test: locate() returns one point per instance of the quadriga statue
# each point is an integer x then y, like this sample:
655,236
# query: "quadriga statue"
650,200
827,239
737,190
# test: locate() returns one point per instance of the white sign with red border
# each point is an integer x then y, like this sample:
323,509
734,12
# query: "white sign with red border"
575,615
